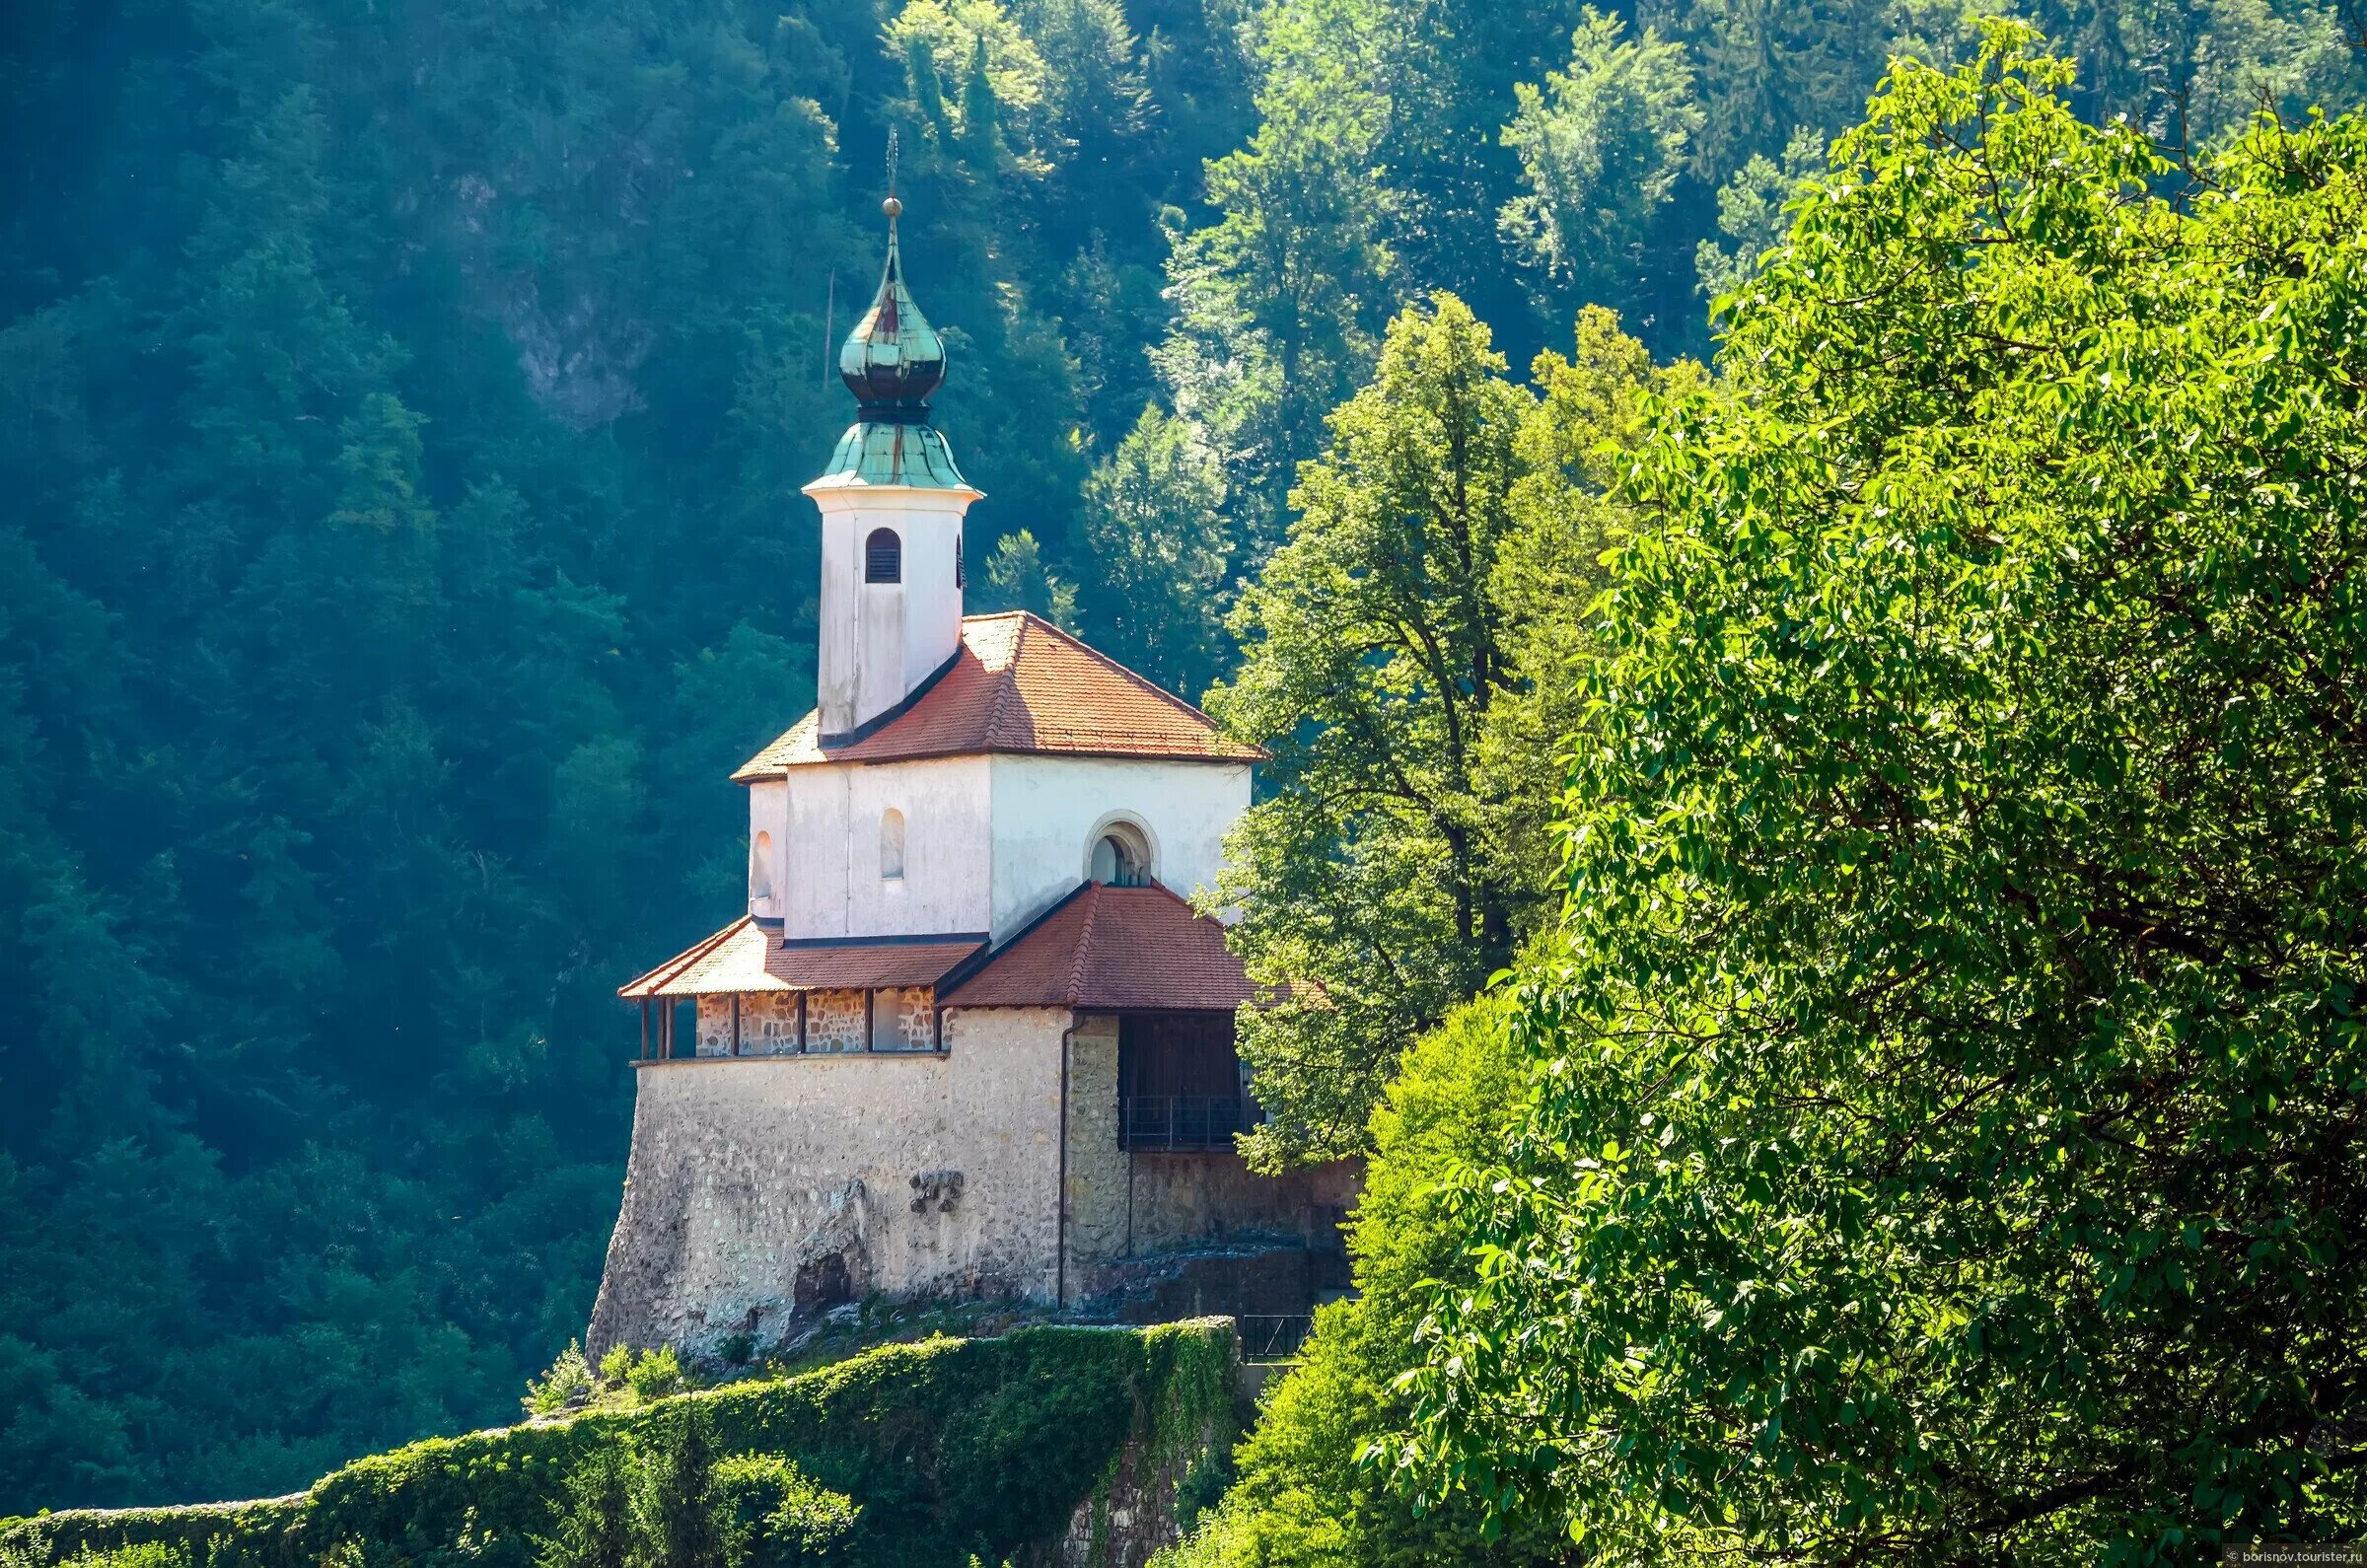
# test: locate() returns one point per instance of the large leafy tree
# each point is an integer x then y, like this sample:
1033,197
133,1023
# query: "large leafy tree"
1392,652
1950,1143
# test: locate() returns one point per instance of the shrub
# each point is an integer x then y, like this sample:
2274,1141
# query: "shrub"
656,1374
568,1381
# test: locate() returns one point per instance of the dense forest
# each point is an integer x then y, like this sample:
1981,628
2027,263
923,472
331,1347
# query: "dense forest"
404,408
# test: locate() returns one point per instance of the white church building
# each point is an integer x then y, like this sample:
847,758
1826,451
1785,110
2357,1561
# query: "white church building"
970,1037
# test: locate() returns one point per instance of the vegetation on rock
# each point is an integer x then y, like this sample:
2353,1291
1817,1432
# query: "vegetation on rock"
916,1454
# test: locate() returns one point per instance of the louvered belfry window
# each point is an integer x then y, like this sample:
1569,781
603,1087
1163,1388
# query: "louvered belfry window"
883,557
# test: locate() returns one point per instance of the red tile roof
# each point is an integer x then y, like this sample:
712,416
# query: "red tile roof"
1019,684
744,958
861,965
732,960
1112,949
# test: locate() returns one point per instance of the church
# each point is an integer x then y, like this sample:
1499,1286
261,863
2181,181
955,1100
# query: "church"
969,1038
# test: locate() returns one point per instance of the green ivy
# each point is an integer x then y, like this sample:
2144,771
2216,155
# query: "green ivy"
947,1448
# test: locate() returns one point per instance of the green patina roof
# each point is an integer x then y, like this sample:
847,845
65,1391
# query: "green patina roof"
894,358
892,362
880,452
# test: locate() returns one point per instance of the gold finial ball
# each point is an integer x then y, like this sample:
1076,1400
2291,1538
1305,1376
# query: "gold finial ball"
893,208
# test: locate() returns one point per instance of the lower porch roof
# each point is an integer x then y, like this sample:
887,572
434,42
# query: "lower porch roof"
745,959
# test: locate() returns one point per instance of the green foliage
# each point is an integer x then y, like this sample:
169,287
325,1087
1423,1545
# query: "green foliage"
1750,213
774,1515
907,1454
1945,1140
1306,1495
654,1373
596,1526
567,1382
1018,579
1601,148
1395,861
1154,523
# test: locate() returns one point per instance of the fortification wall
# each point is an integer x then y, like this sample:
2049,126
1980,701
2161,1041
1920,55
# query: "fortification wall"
1125,1205
761,1191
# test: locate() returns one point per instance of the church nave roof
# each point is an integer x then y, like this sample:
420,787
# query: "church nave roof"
1018,686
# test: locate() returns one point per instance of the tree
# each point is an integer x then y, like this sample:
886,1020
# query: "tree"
1157,537
1390,867
1601,146
1750,213
1370,658
1947,1138
1305,1494
677,1504
595,1523
1017,578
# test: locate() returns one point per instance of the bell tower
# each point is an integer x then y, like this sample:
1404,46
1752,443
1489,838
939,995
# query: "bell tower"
893,505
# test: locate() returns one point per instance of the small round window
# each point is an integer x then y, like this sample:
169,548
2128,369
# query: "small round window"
1120,858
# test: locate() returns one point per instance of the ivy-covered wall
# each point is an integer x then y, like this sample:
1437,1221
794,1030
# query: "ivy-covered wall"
1018,1448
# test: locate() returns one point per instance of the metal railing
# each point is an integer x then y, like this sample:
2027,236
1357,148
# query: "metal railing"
1271,1337
1182,1122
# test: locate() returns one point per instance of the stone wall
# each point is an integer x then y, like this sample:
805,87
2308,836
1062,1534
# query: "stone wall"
834,1021
1124,1206
761,1191
767,1025
764,1190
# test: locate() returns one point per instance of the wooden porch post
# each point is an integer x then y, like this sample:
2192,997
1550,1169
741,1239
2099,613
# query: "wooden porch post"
801,1023
645,1028
871,1006
735,1023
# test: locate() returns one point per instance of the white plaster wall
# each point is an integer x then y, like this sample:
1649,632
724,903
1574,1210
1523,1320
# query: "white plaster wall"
831,827
878,641
1046,810
741,1171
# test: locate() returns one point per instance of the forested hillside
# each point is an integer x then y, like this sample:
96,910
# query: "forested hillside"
402,407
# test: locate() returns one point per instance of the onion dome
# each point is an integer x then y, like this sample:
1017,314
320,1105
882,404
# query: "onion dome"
894,358
892,362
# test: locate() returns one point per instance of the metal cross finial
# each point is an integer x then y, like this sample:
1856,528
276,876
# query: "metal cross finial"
893,208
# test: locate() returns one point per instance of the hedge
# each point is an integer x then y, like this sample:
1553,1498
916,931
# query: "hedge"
952,1447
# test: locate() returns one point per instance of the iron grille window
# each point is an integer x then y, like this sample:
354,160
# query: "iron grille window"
883,557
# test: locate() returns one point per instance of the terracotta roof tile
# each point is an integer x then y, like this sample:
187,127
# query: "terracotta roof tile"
1111,949
744,958
732,960
1019,684
862,965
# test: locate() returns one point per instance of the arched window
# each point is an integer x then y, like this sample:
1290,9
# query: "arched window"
759,867
1120,857
958,582
892,846
883,557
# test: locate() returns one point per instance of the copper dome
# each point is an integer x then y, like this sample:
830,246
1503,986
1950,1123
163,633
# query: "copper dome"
893,359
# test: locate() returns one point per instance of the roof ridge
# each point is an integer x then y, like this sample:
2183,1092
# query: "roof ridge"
1081,965
1006,685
